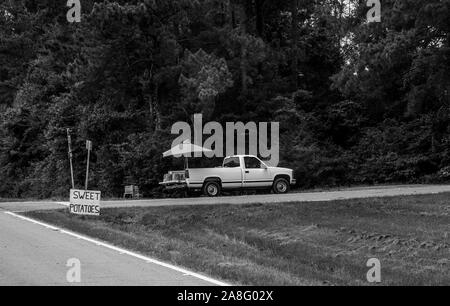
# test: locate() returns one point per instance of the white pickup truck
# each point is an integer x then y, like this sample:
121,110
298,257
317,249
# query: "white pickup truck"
237,172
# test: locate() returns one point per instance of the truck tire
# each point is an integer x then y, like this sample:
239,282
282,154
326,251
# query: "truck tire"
281,185
212,189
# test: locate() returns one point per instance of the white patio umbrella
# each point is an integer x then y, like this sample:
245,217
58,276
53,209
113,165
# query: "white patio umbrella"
184,149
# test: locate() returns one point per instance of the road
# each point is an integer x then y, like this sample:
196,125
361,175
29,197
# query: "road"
348,193
34,254
31,254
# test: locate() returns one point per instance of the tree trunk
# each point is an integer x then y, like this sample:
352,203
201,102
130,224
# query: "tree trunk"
259,17
294,33
155,113
232,7
243,30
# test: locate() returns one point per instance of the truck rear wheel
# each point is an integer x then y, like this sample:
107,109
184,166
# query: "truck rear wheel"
281,185
212,189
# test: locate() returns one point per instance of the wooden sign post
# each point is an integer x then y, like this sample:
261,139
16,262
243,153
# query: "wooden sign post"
69,142
89,148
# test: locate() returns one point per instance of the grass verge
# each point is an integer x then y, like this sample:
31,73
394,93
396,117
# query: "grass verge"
322,243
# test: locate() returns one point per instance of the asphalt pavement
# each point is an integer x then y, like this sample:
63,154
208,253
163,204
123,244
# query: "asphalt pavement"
33,253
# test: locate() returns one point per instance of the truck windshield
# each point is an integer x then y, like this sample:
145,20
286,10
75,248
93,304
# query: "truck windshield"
231,162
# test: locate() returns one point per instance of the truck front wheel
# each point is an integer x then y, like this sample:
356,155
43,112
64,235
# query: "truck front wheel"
281,185
212,189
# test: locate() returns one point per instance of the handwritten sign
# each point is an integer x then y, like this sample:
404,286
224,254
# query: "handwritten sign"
85,202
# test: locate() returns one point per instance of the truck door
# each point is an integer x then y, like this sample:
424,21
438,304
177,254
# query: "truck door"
256,173
232,173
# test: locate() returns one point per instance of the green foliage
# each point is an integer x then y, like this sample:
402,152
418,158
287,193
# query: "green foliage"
357,103
202,79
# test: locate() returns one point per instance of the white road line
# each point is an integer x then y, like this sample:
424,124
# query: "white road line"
63,203
122,251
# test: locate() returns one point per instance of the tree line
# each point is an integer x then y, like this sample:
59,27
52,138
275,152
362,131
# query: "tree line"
357,102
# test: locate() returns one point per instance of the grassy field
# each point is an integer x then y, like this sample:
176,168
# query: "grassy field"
326,243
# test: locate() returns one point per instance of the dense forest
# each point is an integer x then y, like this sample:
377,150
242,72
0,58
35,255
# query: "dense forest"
357,102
